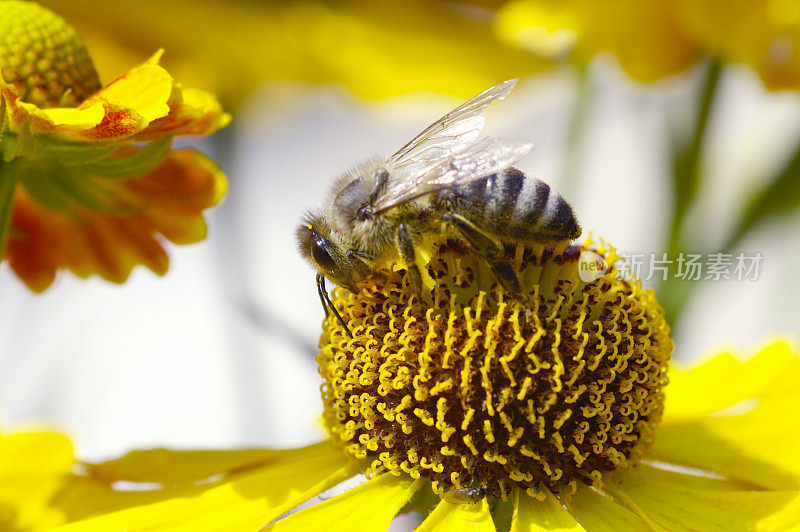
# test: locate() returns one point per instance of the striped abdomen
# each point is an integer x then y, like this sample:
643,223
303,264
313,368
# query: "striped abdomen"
513,205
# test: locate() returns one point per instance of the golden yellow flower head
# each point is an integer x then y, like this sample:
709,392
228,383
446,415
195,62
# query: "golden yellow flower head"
44,58
479,391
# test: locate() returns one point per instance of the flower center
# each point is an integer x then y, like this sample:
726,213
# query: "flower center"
43,57
481,392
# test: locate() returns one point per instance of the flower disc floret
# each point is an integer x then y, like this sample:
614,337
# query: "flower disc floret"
475,389
43,57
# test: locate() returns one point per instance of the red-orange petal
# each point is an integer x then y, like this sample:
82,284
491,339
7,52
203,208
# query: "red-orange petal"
166,203
195,113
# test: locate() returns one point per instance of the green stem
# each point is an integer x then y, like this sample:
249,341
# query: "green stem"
675,293
781,195
8,184
576,134
686,161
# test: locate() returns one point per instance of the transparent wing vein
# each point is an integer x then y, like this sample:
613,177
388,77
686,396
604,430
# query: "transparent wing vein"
451,152
461,126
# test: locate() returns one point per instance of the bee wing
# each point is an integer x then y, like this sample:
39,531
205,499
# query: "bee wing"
452,132
477,160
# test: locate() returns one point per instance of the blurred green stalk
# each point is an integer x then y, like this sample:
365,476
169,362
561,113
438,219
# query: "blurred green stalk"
576,134
8,184
778,196
674,293
686,175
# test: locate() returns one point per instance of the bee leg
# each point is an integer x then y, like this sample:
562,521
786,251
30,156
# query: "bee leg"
405,246
490,249
327,304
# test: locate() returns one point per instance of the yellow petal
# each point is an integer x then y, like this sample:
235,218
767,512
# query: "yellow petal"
764,34
690,478
547,28
246,501
146,89
549,515
71,118
674,502
198,113
730,417
35,453
645,36
369,506
39,491
448,516
724,380
76,497
32,470
168,467
599,513
25,503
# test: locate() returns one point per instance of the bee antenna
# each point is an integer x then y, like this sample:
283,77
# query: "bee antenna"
327,304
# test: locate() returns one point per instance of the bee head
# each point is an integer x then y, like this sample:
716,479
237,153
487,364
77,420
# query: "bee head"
313,238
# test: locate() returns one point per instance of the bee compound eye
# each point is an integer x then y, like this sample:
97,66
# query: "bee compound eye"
321,255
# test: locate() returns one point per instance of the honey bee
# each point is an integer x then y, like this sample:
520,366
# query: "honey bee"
448,178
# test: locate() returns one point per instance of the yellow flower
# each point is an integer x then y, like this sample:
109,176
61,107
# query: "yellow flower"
375,49
88,181
646,36
653,39
722,458
763,34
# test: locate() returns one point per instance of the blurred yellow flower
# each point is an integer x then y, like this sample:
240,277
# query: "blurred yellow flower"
88,181
646,36
653,39
725,458
376,49
763,34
